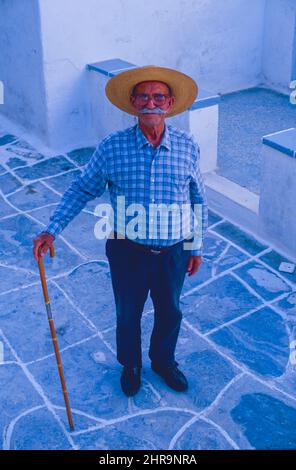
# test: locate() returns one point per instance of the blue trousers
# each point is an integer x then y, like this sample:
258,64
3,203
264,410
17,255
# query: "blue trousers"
134,273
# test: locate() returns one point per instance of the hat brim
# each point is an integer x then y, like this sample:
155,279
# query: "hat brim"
183,87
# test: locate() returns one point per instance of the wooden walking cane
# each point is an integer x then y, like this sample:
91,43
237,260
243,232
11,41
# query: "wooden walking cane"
53,335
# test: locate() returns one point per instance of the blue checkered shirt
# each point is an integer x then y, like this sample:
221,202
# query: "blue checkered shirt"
130,166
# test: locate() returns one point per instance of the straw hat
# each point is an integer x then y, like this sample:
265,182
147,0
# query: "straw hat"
119,87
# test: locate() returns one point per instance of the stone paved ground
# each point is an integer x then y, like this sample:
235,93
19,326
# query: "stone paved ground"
239,320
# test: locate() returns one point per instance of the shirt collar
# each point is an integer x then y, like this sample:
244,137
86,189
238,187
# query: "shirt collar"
142,140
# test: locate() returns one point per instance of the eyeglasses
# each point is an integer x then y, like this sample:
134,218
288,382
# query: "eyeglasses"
158,98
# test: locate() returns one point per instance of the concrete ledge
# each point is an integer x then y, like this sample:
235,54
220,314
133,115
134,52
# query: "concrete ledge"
277,209
230,200
233,191
110,67
284,141
204,100
241,209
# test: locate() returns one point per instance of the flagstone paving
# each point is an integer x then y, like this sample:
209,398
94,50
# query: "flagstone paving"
235,344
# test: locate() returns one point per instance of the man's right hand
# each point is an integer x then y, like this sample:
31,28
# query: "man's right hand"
41,244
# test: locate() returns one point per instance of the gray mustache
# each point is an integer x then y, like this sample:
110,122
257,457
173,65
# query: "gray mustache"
152,111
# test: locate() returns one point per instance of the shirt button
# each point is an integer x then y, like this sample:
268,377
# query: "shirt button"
152,200
153,180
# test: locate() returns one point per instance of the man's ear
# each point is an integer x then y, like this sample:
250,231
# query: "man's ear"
172,101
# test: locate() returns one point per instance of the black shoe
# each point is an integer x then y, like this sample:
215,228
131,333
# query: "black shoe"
173,377
130,380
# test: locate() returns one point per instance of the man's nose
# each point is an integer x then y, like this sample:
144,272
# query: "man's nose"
150,103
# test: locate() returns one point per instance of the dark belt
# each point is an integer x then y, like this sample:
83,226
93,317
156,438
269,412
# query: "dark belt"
145,248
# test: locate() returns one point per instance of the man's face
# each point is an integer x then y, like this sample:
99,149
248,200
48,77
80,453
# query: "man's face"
147,111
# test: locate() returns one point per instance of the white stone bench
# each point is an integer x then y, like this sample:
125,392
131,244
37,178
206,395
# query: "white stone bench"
277,206
201,119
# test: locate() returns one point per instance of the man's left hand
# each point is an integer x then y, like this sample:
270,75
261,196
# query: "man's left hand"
193,264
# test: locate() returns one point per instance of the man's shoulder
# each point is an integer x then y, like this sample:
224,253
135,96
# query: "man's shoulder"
117,136
180,136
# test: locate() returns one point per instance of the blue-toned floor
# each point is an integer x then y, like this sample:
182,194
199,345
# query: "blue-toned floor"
234,347
244,117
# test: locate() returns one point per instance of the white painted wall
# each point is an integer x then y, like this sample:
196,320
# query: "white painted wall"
203,124
219,42
279,36
21,68
208,39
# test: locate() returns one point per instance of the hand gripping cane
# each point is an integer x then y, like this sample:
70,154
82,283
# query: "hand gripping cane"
53,335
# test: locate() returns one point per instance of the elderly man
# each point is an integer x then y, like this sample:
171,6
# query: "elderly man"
148,164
